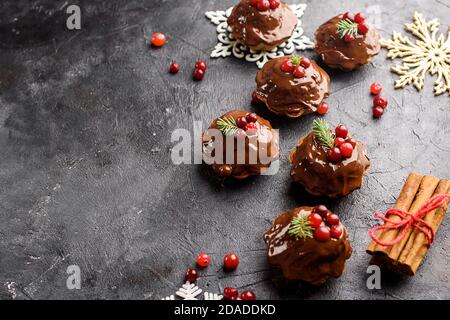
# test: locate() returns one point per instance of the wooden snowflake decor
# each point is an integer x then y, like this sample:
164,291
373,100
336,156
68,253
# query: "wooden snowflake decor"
189,291
429,54
227,44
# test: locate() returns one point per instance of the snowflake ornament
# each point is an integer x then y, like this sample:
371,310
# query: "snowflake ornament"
190,291
428,54
228,45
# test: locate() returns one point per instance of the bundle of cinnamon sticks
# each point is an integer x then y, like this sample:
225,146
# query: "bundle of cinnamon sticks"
406,256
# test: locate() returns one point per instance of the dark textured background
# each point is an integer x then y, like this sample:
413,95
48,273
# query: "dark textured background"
85,170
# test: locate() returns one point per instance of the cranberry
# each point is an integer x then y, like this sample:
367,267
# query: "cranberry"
348,15
230,261
338,141
379,101
305,63
198,74
375,88
352,142
254,2
241,122
248,295
158,39
191,275
359,17
251,128
274,4
321,209
174,68
315,219
346,150
230,293
334,155
323,108
200,65
263,5
287,66
341,131
251,117
378,112
332,218
349,38
322,234
255,98
363,28
336,231
299,72
203,260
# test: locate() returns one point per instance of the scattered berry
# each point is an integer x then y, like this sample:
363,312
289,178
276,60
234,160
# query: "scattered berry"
315,219
334,155
336,231
248,295
263,5
363,28
379,101
341,131
199,74
174,68
230,261
251,128
378,112
255,98
305,63
230,293
251,117
200,65
241,122
338,141
323,108
346,150
332,218
349,16
349,38
322,234
203,260
274,4
375,88
191,275
352,142
321,209
359,18
299,72
158,39
287,66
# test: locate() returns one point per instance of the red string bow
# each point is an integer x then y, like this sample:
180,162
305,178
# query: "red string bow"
409,219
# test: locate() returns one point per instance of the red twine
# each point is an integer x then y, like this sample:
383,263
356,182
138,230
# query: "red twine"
409,219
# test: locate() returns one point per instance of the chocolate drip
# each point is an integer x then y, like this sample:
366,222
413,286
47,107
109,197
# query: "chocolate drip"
337,53
305,259
311,168
262,30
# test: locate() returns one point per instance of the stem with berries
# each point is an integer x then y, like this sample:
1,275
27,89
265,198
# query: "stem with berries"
301,227
323,133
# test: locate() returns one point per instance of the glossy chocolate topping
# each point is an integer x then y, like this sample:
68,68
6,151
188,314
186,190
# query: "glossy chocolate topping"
305,259
286,95
262,30
311,168
264,145
337,53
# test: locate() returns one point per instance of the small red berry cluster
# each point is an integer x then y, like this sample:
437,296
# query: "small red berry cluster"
199,71
264,5
352,25
343,145
326,224
379,103
296,65
248,123
233,294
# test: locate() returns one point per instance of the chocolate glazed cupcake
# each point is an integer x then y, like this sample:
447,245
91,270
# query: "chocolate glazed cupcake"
326,163
292,86
308,244
255,145
347,42
262,25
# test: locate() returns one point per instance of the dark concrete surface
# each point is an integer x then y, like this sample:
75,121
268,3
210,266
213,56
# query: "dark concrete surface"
85,170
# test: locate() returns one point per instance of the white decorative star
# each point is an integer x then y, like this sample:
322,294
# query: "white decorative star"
189,291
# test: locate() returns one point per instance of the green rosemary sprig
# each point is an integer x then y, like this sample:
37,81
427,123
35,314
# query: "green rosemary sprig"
301,227
296,59
347,26
228,126
323,133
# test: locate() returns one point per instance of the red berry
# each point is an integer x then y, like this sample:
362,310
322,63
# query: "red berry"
348,15
363,28
198,74
255,98
174,68
321,210
158,39
305,63
230,293
322,234
254,2
274,4
200,65
336,231
332,218
203,260
334,155
299,72
251,128
248,295
359,18
263,5
379,101
349,38
315,219
378,112
375,88
191,275
341,131
251,117
338,141
352,142
287,66
323,108
241,122
230,261
346,150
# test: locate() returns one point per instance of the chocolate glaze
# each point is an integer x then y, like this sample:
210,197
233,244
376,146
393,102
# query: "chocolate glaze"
286,95
242,171
337,53
311,168
305,259
262,30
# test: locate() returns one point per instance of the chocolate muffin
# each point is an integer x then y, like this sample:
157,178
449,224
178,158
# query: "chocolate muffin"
347,42
327,163
262,24
292,86
308,244
240,144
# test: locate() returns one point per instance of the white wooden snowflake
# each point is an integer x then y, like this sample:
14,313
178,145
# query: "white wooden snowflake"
228,45
190,291
428,54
